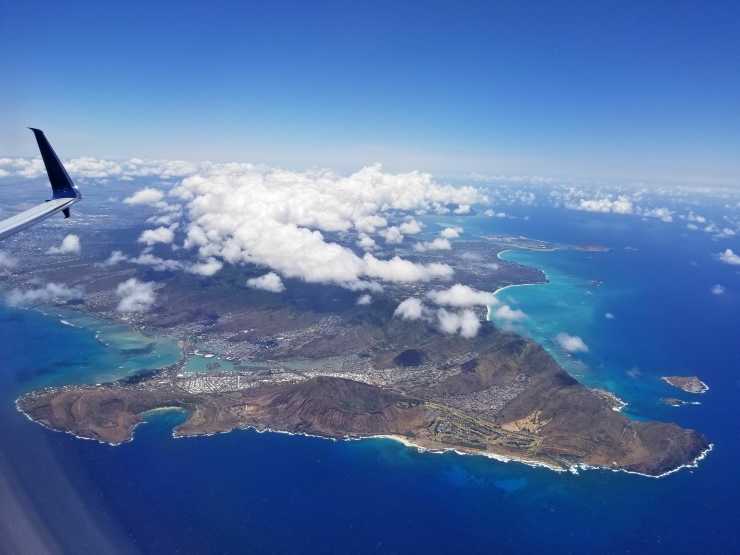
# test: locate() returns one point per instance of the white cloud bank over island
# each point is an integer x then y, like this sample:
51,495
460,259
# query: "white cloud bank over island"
241,213
458,296
465,323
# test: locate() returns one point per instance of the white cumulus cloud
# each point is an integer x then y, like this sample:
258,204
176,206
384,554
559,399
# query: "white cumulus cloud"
43,294
694,218
147,196
451,232
663,213
370,224
466,323
268,282
509,314
157,263
729,257
391,235
412,227
718,289
159,235
367,243
364,299
411,309
70,245
136,296
399,270
462,295
114,258
571,343
622,205
207,268
244,213
439,244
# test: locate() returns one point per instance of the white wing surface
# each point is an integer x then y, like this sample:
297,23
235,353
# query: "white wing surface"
65,192
33,216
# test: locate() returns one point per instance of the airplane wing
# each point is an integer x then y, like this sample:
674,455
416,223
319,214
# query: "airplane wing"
65,192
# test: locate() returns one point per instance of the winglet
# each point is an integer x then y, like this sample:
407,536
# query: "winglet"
61,184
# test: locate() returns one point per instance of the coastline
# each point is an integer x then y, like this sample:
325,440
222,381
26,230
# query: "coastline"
488,455
518,285
692,464
400,439
547,278
573,469
160,409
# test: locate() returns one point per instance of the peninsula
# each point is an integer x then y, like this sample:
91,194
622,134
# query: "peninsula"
497,394
524,243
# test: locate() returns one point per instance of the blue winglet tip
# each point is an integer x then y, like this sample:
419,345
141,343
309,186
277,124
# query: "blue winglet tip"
61,184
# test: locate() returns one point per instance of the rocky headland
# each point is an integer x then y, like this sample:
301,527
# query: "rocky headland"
497,394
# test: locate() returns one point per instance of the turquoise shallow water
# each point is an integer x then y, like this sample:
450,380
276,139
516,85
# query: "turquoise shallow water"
571,304
97,352
245,492
568,303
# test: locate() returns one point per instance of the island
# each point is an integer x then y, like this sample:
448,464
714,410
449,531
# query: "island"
312,360
498,394
690,384
524,243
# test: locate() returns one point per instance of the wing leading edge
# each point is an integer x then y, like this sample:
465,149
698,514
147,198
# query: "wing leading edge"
65,192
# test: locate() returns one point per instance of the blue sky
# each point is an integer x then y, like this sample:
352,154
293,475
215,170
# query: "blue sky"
633,91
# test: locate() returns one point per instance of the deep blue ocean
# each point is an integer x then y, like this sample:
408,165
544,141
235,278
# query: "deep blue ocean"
246,492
